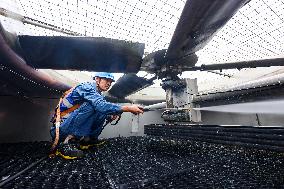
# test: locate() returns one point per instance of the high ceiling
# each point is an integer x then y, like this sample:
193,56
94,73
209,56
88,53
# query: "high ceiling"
149,22
255,32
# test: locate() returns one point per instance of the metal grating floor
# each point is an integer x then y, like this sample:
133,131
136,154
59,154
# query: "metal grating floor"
144,162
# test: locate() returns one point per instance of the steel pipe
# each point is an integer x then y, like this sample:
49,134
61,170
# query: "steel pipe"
249,87
239,65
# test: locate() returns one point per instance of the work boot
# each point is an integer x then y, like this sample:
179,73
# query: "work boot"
69,151
87,143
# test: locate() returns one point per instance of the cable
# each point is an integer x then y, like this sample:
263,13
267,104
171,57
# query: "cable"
21,172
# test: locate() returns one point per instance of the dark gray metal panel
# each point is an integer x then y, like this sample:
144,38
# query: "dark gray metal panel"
262,137
199,22
25,119
128,84
82,53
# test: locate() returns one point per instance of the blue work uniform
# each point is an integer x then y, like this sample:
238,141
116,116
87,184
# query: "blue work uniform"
89,118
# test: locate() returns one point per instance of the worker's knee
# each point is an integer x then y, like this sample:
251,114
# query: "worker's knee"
81,122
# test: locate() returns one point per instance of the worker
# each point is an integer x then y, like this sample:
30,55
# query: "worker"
81,114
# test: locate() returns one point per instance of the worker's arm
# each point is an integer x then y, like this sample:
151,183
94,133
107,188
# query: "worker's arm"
88,92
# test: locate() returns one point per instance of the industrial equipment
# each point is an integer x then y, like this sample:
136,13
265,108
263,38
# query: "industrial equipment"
176,143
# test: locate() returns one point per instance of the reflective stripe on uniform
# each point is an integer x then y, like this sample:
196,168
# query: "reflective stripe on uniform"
66,103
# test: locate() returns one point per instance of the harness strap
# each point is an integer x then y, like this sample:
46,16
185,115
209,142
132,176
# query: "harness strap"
58,117
57,124
65,112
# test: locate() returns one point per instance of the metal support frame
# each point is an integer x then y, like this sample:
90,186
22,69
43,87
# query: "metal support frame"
179,101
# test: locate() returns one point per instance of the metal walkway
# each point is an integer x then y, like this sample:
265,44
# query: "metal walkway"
143,162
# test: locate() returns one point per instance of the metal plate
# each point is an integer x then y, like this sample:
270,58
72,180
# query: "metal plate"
199,22
82,53
128,84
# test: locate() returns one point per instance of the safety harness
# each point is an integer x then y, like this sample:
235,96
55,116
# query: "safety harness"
58,115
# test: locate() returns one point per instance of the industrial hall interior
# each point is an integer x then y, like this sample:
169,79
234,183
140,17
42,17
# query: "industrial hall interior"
142,94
